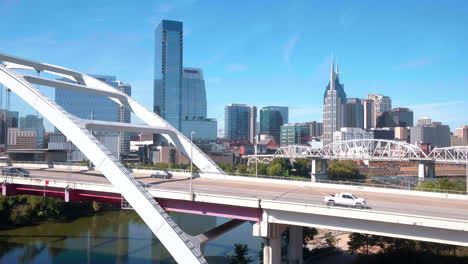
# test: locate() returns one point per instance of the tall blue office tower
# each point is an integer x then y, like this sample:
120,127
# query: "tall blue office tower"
168,72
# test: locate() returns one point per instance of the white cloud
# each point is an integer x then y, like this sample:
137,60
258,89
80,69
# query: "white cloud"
289,49
237,67
415,64
450,113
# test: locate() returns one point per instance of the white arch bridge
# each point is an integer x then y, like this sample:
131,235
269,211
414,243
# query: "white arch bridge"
184,248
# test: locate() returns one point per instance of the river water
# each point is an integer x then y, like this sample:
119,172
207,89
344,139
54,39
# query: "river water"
114,237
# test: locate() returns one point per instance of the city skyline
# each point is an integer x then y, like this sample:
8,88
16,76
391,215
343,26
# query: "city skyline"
291,62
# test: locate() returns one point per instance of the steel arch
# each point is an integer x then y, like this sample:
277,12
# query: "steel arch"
178,243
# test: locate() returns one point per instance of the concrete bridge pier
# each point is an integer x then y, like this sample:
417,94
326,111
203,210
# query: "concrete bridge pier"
318,170
295,246
271,234
7,189
426,170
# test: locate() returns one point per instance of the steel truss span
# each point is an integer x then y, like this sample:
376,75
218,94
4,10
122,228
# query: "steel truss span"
181,246
369,149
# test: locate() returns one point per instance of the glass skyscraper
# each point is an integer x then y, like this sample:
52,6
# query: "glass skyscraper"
168,72
334,106
34,123
354,113
193,95
236,122
271,120
96,107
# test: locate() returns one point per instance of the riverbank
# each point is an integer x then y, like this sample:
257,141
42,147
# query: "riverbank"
23,210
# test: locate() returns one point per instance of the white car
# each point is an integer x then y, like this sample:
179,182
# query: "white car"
162,175
346,199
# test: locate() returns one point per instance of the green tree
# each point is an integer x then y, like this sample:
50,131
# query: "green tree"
330,240
240,255
241,169
362,243
301,168
276,170
443,184
343,170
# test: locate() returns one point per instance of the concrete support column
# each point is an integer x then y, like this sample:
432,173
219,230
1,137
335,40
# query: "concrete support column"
313,171
426,170
8,189
295,247
271,234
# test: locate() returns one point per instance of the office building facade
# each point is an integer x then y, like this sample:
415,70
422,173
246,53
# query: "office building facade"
95,107
334,104
315,129
252,124
34,123
194,107
462,132
402,117
354,113
349,133
369,117
295,134
21,139
236,122
168,71
434,134
271,120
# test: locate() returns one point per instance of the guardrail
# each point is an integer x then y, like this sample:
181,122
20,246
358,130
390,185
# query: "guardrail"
304,179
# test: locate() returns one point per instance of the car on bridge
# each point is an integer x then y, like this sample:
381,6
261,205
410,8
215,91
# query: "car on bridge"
15,172
345,199
161,175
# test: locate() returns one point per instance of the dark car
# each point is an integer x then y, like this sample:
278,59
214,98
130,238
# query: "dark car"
161,175
16,172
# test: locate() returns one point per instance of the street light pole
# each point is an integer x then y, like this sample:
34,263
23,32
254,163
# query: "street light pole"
256,161
191,162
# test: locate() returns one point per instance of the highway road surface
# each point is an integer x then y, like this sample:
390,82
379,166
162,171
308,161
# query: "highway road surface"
385,202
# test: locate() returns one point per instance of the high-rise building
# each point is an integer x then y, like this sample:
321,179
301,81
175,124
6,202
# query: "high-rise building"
315,129
334,104
462,132
403,117
349,133
193,95
295,134
13,119
34,123
168,71
271,120
21,139
95,107
424,121
385,119
433,133
369,118
354,113
236,122
402,133
252,124
194,107
382,104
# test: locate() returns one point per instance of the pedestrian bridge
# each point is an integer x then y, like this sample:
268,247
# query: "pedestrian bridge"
369,149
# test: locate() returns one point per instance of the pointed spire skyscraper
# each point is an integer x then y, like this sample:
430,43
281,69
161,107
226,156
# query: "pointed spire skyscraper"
334,101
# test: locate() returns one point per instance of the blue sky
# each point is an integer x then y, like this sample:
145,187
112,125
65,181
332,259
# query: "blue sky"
262,52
